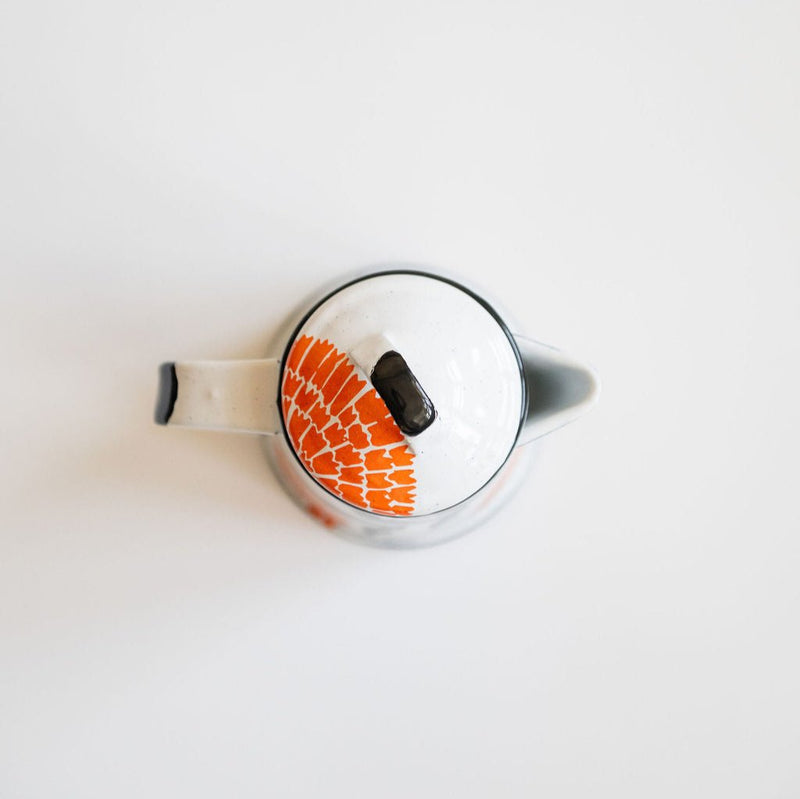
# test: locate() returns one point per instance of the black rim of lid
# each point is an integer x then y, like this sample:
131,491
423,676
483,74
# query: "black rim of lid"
419,273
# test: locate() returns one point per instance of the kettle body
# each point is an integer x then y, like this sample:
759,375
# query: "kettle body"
395,409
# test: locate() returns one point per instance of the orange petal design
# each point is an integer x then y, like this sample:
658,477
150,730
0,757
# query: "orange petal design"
357,436
343,432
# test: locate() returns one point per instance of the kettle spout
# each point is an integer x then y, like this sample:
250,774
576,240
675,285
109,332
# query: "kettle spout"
559,388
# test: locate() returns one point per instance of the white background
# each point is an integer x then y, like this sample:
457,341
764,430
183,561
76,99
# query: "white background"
175,176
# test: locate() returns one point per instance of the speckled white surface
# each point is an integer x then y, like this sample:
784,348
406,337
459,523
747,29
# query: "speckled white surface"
175,177
464,362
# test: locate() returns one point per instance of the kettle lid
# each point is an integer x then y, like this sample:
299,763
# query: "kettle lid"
402,393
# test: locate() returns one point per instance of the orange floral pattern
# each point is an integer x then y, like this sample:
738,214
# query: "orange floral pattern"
343,432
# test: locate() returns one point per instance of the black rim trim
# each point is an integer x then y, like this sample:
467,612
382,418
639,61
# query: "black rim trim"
167,392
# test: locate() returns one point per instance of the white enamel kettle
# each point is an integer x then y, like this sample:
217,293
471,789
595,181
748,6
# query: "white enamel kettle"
396,408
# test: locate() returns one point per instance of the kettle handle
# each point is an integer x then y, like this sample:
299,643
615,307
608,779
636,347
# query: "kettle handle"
559,388
234,396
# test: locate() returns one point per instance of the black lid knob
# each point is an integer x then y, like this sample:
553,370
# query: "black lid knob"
405,398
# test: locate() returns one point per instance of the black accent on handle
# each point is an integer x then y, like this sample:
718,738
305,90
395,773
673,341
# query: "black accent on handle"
167,392
409,405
